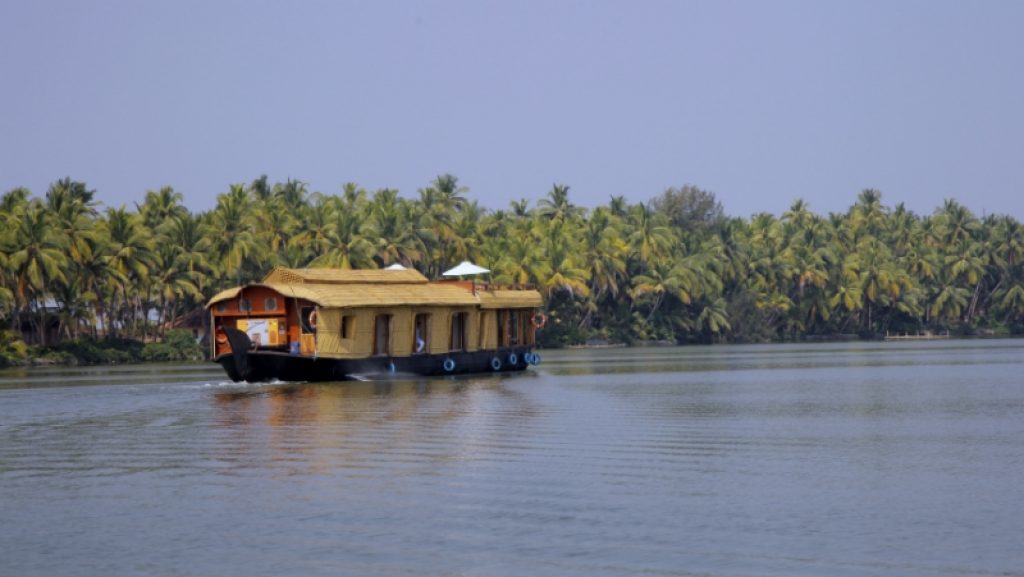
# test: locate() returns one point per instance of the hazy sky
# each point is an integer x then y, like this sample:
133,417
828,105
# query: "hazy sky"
760,102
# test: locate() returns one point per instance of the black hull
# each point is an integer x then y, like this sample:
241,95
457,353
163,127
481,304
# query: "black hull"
255,366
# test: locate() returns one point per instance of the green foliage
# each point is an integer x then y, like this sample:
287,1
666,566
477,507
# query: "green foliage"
178,345
89,351
674,269
12,349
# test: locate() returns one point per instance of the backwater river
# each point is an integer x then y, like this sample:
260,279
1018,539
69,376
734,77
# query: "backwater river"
857,459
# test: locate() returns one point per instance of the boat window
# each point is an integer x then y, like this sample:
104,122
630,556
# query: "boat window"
421,333
502,328
382,335
513,331
484,318
305,314
348,323
270,304
245,305
222,306
458,332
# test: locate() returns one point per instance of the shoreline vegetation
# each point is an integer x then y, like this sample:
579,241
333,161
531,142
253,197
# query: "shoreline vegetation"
176,345
82,283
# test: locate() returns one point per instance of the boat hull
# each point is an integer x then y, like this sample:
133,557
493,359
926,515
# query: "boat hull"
256,366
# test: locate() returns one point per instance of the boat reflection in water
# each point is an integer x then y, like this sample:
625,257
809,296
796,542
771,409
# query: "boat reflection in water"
314,428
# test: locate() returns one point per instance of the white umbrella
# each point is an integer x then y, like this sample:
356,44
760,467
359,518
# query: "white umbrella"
465,268
396,266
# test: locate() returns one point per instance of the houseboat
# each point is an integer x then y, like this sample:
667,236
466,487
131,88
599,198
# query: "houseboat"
330,325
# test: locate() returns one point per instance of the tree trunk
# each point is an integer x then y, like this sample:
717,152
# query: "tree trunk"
41,320
974,302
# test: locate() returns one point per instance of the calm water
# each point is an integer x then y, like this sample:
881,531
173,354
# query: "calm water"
835,459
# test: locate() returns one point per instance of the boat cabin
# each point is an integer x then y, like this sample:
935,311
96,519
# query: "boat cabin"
373,314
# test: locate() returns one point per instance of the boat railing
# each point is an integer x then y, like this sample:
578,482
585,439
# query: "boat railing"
489,286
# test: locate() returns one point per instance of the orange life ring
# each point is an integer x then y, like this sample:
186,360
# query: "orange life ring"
312,319
222,339
539,319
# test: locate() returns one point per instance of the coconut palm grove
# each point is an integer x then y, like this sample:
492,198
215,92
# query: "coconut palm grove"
672,269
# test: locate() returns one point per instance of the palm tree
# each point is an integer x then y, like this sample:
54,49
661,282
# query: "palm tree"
173,280
293,194
713,317
881,281
192,245
560,269
605,253
396,240
520,208
956,222
348,242
650,237
316,227
94,278
231,231
557,206
868,215
131,257
73,210
439,204
950,300
967,266
161,206
665,278
37,259
1011,299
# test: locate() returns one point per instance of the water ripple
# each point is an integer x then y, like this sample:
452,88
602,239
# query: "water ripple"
843,459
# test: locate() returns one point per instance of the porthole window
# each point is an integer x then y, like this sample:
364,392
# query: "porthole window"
270,304
245,305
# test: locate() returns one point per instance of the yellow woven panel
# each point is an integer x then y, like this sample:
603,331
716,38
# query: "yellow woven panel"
510,299
341,276
224,295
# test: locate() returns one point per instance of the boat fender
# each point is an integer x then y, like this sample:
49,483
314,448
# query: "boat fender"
496,363
449,365
539,319
312,319
534,359
513,359
391,367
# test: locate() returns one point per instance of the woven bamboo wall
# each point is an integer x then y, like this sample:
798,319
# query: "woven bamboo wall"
441,329
488,337
328,333
330,343
401,331
360,342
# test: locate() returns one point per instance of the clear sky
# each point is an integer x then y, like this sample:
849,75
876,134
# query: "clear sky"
760,102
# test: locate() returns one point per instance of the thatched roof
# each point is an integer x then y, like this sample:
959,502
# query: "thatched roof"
281,275
365,288
509,299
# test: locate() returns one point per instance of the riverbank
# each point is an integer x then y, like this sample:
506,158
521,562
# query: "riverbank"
177,345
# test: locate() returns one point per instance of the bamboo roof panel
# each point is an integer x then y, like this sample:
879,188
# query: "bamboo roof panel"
224,295
393,295
281,275
510,299
382,288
